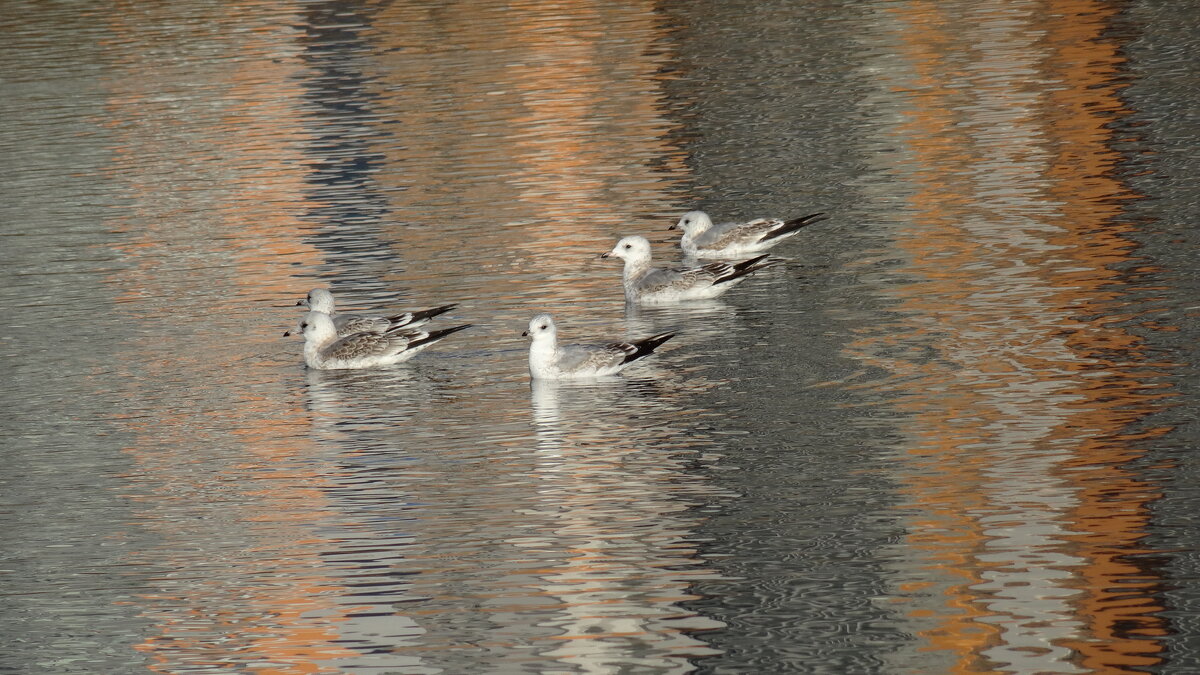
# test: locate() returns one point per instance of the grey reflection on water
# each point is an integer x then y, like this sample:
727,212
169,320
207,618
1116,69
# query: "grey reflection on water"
572,543
597,488
340,108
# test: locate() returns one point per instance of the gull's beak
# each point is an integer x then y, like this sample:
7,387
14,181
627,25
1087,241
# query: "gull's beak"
524,333
674,227
287,333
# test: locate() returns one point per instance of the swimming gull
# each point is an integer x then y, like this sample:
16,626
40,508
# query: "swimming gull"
324,350
321,300
547,360
702,239
646,284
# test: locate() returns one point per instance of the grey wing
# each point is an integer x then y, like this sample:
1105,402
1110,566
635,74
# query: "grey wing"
666,279
360,324
731,234
366,345
590,357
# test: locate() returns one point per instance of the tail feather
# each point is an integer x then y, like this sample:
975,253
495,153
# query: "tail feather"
793,225
646,346
741,269
435,335
420,316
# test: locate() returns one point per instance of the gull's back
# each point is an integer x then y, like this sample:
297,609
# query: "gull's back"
728,235
585,357
348,324
658,279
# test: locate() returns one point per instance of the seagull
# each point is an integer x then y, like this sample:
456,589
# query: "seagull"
324,350
547,360
702,239
321,300
646,284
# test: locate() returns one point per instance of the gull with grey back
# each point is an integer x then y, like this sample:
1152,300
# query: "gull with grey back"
324,350
646,284
321,300
702,239
548,360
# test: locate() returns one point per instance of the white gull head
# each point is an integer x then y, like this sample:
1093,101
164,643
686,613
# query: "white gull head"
319,332
319,300
541,328
544,345
693,224
634,250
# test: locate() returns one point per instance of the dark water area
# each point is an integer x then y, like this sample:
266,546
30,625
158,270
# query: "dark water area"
953,432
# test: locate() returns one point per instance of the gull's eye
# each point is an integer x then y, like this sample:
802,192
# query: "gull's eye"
544,327
686,221
628,245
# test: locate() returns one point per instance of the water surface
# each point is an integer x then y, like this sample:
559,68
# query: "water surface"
951,434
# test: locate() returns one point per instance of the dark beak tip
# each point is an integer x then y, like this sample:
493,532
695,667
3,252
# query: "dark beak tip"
524,333
287,333
603,255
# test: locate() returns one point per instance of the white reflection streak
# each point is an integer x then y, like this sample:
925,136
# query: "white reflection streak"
618,605
1029,572
547,416
1031,602
345,410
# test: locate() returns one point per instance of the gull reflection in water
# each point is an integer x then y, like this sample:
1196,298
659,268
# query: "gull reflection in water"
340,400
619,505
362,417
696,319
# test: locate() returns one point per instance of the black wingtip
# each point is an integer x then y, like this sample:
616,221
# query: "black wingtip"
439,334
793,225
646,346
753,262
422,315
745,267
433,311
435,335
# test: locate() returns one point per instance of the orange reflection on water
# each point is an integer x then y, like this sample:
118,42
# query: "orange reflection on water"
537,126
188,252
1017,380
260,594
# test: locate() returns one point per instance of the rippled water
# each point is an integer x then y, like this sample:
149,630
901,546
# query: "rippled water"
953,433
